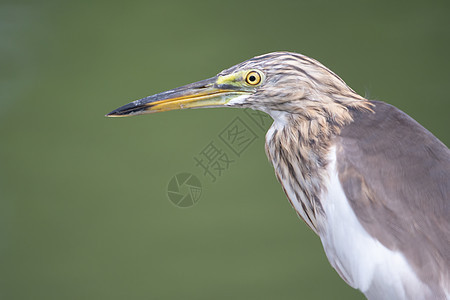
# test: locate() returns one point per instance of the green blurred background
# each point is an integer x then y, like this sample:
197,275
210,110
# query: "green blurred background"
84,212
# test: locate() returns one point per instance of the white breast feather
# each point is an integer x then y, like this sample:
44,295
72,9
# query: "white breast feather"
361,260
368,265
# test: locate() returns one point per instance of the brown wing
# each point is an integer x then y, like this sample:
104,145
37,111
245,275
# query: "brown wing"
396,175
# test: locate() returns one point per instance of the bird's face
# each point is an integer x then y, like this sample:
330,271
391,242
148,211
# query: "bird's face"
276,81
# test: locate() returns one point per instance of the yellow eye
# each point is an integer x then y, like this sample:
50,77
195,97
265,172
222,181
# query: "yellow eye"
253,78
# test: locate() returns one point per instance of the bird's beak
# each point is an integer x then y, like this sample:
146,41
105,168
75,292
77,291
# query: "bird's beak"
213,92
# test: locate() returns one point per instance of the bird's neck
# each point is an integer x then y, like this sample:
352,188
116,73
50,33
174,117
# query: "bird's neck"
298,146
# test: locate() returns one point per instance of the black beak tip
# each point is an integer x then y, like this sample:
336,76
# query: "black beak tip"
112,114
132,108
115,113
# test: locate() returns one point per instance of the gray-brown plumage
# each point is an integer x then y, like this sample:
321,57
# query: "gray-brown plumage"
368,179
395,175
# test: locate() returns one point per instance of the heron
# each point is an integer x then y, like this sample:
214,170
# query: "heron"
368,179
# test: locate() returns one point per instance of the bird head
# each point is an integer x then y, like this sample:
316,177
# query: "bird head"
274,82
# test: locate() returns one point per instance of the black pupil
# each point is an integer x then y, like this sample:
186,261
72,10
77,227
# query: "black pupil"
252,78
